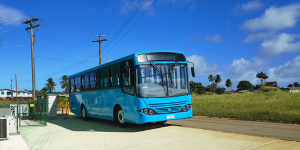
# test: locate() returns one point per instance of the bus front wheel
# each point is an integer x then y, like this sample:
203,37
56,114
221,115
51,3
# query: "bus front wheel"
83,113
119,118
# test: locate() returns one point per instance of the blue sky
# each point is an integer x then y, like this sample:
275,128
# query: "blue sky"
235,39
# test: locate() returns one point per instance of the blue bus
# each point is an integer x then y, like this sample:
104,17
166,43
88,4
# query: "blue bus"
140,88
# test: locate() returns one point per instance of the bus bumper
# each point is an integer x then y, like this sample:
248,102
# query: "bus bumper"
164,117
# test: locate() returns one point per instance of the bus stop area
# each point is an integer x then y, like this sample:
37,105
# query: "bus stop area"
71,132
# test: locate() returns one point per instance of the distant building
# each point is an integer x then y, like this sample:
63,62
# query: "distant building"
8,93
293,89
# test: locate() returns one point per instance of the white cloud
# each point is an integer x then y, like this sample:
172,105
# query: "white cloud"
10,15
214,38
254,5
258,36
275,18
287,73
242,69
280,44
201,66
134,4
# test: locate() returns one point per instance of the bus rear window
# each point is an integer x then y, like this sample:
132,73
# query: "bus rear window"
160,57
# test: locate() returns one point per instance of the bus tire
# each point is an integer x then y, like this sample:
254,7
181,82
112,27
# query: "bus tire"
161,122
83,113
119,117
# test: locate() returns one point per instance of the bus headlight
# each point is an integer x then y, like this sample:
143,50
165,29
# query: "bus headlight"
186,108
148,111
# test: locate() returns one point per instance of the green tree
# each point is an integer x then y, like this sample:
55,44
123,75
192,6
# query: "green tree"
211,78
260,75
218,79
64,83
245,85
296,84
228,83
290,85
44,91
220,90
50,85
265,77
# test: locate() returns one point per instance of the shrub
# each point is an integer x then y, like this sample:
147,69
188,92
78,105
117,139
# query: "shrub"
245,85
200,90
220,90
257,86
268,89
284,89
211,88
194,86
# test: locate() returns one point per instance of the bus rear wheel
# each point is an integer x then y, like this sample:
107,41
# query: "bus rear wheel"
119,118
84,114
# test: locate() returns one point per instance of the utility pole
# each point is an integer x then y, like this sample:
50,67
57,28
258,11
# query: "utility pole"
30,22
16,85
100,44
11,90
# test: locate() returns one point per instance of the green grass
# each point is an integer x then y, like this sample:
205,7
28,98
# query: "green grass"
6,102
275,106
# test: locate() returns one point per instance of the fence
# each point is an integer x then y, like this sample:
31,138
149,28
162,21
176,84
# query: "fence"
25,114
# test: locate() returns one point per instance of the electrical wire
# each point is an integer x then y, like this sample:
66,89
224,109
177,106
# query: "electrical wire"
60,59
130,28
111,16
99,15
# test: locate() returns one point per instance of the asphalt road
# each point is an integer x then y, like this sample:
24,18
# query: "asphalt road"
263,129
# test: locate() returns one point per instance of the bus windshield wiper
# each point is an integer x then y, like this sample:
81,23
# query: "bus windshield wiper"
156,69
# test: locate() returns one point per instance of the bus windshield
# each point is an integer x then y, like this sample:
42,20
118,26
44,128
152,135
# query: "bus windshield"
162,80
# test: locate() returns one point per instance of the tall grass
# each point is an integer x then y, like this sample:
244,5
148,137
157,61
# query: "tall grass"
6,102
275,106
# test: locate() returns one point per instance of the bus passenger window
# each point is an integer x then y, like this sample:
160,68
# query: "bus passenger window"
93,80
110,77
86,82
72,85
82,83
77,84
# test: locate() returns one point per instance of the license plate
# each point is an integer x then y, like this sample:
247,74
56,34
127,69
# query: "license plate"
170,117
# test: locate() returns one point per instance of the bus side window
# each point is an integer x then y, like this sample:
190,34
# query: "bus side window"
106,78
110,77
77,84
86,82
72,86
127,82
82,83
93,80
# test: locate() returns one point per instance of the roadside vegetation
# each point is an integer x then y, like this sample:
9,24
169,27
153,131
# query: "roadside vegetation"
262,102
268,104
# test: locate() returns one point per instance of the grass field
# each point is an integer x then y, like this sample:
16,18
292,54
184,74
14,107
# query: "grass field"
273,106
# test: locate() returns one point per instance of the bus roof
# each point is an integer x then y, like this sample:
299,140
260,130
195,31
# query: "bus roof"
132,56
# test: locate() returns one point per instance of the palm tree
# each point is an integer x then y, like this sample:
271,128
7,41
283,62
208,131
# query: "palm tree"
44,90
50,85
218,79
228,83
64,83
260,75
265,77
211,78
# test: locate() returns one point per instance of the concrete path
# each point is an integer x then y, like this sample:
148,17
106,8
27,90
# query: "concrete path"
16,142
74,133
264,129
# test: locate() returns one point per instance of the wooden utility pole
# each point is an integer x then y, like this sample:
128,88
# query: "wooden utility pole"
100,44
30,22
16,86
11,90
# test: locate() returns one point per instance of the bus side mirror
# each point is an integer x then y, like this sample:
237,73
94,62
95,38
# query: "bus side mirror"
126,70
193,71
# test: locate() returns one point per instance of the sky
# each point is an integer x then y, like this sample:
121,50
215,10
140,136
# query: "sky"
235,39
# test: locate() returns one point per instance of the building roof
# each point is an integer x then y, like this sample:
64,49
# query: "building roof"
14,90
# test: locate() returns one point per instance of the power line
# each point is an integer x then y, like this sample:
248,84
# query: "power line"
131,27
60,59
110,16
99,15
126,22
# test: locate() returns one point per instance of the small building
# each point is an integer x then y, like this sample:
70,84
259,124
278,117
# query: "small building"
8,93
293,89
